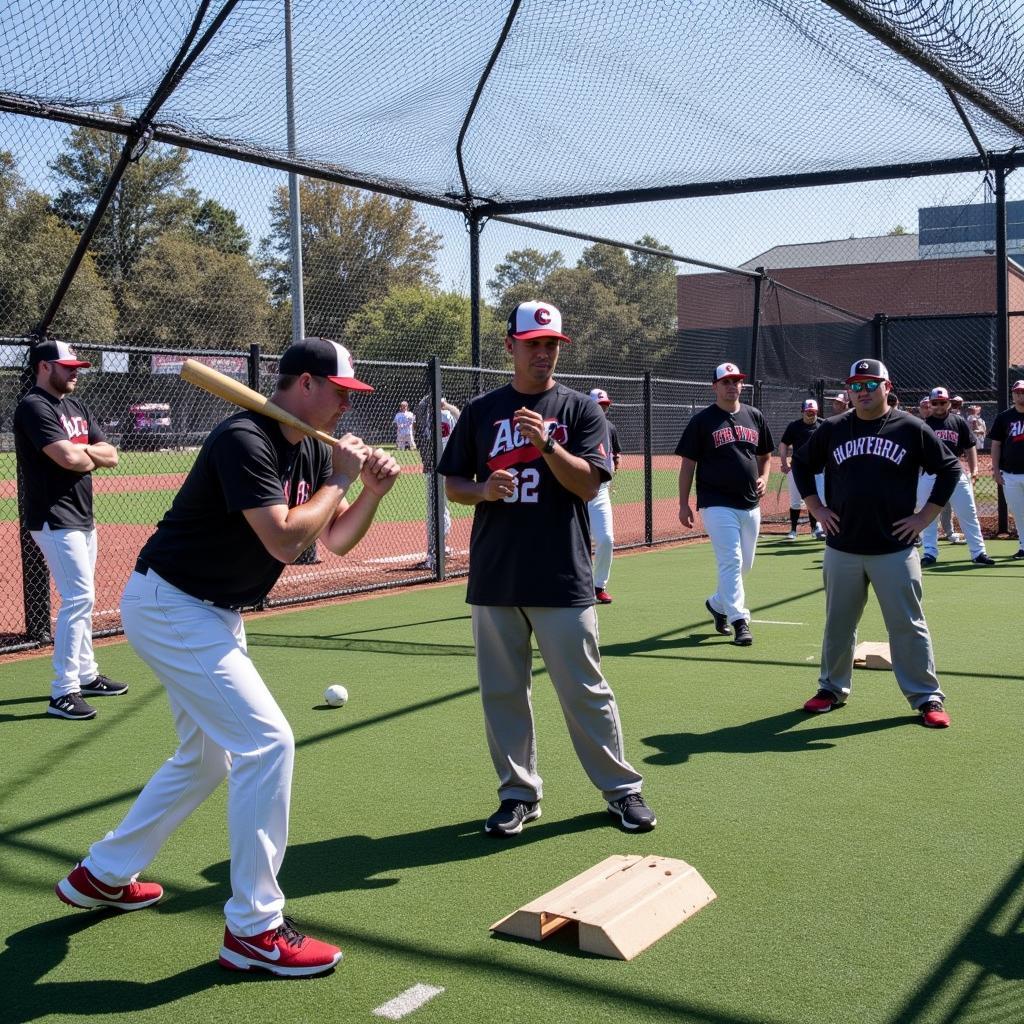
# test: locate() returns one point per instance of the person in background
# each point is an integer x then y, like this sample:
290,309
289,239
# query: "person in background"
404,423
600,508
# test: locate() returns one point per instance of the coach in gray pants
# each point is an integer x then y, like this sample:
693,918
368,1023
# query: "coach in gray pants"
872,457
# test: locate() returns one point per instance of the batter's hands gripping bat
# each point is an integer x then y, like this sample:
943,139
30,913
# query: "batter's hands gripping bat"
235,392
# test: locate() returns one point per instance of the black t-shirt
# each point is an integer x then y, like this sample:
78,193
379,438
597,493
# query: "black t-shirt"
725,446
56,496
871,473
204,545
952,430
798,432
532,548
1008,430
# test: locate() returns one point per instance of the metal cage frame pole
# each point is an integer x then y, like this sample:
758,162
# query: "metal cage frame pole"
1002,319
294,200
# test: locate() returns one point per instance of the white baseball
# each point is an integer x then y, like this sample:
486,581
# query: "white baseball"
336,695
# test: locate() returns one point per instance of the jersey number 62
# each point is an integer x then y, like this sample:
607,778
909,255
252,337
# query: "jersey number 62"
525,482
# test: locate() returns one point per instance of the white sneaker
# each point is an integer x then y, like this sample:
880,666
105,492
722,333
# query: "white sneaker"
819,533
957,538
791,535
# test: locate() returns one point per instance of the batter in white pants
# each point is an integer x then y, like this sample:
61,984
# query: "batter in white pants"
1013,491
600,511
71,558
962,503
733,533
229,725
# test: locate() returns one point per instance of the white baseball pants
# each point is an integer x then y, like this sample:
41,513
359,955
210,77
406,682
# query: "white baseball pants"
1013,491
228,724
795,500
733,533
600,512
71,558
966,514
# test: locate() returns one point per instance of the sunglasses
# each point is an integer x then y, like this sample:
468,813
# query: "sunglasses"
865,385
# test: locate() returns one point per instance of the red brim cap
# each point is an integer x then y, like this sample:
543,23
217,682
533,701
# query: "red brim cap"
527,335
731,376
70,362
865,376
351,383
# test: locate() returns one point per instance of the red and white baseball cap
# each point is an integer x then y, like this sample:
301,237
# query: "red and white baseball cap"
599,396
53,351
1018,385
809,405
841,396
727,371
868,369
939,393
321,357
535,320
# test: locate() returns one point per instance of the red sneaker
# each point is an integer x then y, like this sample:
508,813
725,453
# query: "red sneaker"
282,950
83,890
934,715
602,596
822,701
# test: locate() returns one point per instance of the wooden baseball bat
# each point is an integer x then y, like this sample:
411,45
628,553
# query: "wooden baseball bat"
235,392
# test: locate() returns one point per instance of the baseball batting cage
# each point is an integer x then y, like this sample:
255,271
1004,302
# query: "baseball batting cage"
789,185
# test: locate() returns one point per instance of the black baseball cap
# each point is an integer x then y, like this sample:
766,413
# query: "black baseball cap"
321,357
53,351
868,369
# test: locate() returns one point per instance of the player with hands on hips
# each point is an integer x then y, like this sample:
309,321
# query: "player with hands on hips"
728,445
796,434
952,430
59,445
528,457
1006,445
872,458
258,494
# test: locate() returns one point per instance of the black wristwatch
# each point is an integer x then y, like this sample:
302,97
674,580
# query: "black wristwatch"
549,446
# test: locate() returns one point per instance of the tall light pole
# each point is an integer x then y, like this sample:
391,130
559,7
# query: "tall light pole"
294,203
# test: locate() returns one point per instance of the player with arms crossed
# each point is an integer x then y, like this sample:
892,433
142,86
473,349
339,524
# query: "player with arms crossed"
729,446
952,430
257,496
58,446
872,458
529,456
1006,443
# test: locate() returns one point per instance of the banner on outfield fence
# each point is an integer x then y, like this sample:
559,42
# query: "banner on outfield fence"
231,366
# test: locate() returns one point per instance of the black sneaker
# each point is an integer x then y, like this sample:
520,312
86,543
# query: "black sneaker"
743,637
1017,556
721,622
984,559
104,686
71,705
634,815
927,560
509,818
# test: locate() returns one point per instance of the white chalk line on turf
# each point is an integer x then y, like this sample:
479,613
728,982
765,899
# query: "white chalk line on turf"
775,622
405,1002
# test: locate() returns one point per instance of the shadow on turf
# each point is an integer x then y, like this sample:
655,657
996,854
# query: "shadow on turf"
355,862
765,735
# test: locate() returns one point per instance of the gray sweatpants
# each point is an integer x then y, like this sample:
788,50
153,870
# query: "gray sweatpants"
896,579
568,643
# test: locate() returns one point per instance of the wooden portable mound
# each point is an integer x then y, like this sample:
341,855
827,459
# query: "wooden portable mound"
872,655
622,905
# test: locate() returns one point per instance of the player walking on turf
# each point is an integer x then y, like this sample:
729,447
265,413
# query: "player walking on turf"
1006,444
599,509
796,434
58,446
529,456
729,446
952,430
872,458
257,496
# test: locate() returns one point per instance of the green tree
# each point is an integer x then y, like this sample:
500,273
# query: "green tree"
524,270
356,248
151,198
186,294
217,226
35,247
413,323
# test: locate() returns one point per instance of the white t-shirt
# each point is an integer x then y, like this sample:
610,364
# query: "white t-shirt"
404,422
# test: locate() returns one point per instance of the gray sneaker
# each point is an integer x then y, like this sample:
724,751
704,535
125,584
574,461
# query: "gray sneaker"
71,705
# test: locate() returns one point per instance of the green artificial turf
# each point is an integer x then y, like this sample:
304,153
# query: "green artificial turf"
867,869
